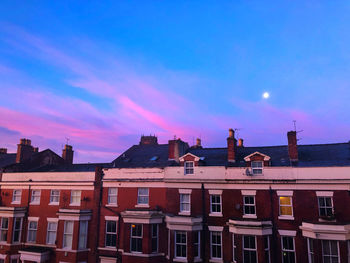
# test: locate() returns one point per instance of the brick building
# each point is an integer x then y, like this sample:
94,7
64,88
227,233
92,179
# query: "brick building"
175,203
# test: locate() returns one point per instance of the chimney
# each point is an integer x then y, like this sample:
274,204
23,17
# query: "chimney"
67,154
3,150
292,146
231,146
176,149
24,150
149,140
36,149
240,142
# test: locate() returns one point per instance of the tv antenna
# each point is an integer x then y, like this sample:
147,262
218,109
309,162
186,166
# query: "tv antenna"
67,140
295,129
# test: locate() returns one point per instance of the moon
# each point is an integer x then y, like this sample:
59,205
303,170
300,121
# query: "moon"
266,95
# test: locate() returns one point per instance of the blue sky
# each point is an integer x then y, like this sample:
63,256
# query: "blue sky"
102,74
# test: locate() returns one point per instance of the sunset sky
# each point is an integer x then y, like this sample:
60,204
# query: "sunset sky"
102,73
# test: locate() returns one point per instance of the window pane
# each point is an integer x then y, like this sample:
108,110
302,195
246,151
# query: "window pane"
285,200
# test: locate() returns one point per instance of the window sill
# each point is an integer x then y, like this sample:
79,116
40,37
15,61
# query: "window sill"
15,203
216,214
34,203
197,260
74,204
54,203
111,205
250,216
216,260
184,213
180,260
326,220
286,217
142,206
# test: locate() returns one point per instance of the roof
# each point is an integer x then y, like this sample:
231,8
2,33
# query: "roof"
77,167
7,159
316,155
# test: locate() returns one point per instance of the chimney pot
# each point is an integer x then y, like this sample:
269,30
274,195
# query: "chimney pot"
292,146
3,150
149,140
231,146
240,142
231,133
24,150
198,142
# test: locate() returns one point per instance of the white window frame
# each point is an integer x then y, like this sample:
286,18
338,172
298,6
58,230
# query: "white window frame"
83,234
249,205
4,229
325,206
189,167
290,196
257,167
268,248
155,237
180,244
51,231
213,213
330,255
53,196
75,194
32,231
35,197
140,196
198,244
16,194
111,233
234,249
112,196
310,254
136,237
19,230
184,203
288,250
218,245
249,249
68,235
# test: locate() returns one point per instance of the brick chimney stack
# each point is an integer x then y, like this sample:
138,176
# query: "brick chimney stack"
67,154
176,149
24,150
240,142
149,140
292,146
231,146
3,150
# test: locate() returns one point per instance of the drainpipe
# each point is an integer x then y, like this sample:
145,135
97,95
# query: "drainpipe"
25,219
98,215
274,231
204,223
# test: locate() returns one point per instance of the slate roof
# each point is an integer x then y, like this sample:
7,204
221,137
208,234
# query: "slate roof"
7,159
77,167
317,155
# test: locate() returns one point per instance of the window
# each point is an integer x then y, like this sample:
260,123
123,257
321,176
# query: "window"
189,167
17,229
68,234
51,233
267,248
2,260
249,249
196,244
142,196
75,197
310,250
180,244
14,259
249,205
257,167
330,251
111,233
215,204
185,203
16,196
136,238
286,207
4,227
112,196
288,250
83,231
154,236
35,197
325,205
54,197
32,228
234,249
215,245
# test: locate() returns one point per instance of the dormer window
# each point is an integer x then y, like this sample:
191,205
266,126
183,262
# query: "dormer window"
189,167
257,167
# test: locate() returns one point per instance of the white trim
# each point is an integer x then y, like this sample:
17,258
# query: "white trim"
326,232
285,217
266,157
250,216
285,193
216,228
182,158
35,219
324,193
215,192
216,214
248,192
142,206
3,256
111,218
185,191
52,219
245,227
290,233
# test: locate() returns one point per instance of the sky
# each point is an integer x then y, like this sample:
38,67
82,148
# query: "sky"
99,74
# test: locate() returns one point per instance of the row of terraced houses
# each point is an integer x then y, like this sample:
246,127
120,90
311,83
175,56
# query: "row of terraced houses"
175,203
